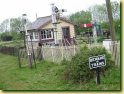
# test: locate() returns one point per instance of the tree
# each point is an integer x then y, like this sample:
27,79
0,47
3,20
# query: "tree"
105,25
15,24
81,17
101,15
115,10
5,36
5,26
100,12
111,24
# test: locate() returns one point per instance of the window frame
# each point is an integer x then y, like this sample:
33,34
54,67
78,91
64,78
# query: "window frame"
36,35
47,34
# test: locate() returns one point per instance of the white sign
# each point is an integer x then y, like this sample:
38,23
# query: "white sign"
97,61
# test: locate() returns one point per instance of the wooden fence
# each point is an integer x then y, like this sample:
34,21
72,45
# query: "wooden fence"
54,54
115,51
8,50
57,54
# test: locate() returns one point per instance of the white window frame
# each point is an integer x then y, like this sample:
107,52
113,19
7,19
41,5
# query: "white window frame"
45,32
36,35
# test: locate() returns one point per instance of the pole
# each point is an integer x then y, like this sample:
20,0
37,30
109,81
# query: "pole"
109,9
18,51
33,51
24,40
97,76
27,48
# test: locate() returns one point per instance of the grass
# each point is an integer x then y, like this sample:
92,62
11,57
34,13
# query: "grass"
48,76
17,43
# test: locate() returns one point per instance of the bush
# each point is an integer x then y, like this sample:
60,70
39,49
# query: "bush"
78,68
5,36
100,39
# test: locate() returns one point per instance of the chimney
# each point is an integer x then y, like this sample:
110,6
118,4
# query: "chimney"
36,16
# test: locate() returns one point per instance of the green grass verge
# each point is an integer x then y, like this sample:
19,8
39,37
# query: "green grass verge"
48,76
15,43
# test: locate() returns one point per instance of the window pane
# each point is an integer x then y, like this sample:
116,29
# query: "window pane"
46,34
50,33
42,37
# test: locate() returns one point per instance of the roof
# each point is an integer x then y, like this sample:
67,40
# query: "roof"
42,21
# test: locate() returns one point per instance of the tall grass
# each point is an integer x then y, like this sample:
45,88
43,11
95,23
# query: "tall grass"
48,76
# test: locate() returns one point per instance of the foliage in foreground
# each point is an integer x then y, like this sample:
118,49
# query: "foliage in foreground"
48,76
77,70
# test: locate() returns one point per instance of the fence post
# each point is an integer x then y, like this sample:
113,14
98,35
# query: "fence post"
62,52
119,55
18,54
115,51
39,53
52,54
74,50
116,54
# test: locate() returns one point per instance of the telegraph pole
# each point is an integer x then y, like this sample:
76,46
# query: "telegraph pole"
109,9
27,37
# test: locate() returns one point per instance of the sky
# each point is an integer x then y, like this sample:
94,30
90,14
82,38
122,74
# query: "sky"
15,8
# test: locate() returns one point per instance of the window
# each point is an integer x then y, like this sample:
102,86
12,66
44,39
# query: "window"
36,35
31,35
47,34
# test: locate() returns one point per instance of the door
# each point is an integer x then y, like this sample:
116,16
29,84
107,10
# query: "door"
66,34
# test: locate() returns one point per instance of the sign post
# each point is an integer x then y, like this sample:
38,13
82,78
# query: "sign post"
96,62
97,76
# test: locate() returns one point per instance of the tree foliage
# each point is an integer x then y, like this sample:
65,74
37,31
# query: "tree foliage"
100,12
4,26
6,36
79,18
13,26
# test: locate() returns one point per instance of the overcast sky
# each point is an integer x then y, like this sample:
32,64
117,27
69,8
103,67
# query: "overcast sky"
15,8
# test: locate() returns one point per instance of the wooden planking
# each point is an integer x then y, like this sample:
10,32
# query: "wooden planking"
115,51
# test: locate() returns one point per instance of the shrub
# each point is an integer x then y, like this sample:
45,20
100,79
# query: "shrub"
78,68
5,37
100,39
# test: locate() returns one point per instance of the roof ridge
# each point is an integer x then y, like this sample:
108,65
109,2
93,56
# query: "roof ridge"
44,17
41,21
